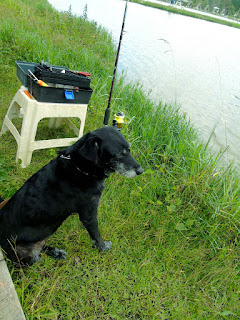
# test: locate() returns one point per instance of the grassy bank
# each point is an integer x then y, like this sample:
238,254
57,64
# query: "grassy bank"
175,229
187,13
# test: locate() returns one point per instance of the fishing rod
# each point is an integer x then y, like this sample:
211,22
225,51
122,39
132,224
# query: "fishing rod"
107,111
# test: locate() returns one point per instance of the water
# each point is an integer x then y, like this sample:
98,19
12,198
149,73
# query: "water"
191,62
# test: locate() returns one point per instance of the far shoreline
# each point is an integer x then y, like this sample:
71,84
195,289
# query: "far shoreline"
189,12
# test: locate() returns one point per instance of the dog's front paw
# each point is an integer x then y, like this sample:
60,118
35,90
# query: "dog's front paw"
107,245
104,245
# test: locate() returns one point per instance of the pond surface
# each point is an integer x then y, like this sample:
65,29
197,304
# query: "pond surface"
179,59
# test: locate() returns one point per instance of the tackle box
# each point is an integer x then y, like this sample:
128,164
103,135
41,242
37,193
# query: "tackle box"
59,90
59,95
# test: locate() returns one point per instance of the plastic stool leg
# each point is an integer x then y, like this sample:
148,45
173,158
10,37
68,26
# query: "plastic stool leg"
28,133
55,123
13,112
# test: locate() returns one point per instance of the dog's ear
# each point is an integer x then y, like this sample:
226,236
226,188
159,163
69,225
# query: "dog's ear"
75,147
91,149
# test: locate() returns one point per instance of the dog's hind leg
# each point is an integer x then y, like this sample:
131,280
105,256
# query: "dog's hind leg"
28,253
54,253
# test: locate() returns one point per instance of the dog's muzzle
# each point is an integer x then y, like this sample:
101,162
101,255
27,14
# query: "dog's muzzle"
129,171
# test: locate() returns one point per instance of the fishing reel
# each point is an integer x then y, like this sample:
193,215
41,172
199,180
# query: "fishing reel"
118,121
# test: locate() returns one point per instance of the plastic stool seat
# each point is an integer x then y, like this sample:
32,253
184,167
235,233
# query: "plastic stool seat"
33,111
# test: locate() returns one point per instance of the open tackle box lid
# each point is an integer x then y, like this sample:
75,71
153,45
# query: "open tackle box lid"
52,74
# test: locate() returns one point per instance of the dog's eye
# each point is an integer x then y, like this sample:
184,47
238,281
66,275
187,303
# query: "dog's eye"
125,151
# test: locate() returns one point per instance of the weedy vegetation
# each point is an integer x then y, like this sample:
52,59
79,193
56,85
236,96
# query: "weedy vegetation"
175,229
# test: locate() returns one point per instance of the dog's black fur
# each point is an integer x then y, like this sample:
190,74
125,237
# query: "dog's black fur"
72,182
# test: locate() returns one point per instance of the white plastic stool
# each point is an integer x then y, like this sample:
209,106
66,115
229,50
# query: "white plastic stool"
32,112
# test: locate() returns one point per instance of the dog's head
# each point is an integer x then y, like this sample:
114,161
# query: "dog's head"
105,149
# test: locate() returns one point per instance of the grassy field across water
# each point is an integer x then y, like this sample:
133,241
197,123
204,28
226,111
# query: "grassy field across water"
175,229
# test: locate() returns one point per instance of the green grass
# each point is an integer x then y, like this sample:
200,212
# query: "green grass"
187,13
175,229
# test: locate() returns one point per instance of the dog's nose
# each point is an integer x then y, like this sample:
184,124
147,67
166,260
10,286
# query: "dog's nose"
139,170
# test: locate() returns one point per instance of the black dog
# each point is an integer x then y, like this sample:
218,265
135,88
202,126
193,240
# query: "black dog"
72,182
